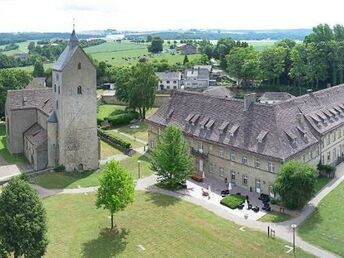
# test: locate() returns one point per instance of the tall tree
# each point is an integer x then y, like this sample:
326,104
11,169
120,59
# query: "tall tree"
206,48
338,31
11,79
156,45
23,229
299,65
272,63
38,70
141,87
122,78
186,60
321,32
116,189
242,63
295,183
171,159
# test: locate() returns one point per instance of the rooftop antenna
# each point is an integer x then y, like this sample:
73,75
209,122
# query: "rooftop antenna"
74,24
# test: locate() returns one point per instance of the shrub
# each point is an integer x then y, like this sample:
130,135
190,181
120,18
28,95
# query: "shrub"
233,201
60,168
326,169
112,140
122,119
99,121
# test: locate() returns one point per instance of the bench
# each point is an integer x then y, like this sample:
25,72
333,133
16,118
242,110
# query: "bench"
197,177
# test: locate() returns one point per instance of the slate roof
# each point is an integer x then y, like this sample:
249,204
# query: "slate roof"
37,82
36,135
199,74
169,75
274,130
30,98
220,91
276,96
67,53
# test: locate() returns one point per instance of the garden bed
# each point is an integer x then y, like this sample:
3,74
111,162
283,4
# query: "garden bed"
233,201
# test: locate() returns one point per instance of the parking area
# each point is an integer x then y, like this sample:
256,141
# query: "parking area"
214,187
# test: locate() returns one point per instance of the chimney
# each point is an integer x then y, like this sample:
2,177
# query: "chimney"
248,100
300,117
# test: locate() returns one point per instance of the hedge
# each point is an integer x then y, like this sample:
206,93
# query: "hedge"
233,201
122,119
113,141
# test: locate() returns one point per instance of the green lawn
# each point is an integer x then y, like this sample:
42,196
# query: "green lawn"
153,226
131,164
134,143
140,133
112,46
12,159
320,183
106,150
275,217
59,180
107,110
325,227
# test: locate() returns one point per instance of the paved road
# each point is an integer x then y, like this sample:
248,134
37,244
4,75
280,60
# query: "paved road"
283,230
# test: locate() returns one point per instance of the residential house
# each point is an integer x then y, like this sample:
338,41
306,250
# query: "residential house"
196,78
187,49
169,80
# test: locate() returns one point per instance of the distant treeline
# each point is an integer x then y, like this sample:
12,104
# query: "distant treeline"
8,38
295,34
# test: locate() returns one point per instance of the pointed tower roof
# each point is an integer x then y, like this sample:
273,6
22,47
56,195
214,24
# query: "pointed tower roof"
68,52
73,40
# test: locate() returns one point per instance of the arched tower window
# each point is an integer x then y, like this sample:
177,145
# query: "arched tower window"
79,90
79,66
54,87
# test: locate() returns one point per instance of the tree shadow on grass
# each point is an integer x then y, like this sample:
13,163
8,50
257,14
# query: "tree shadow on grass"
162,200
109,243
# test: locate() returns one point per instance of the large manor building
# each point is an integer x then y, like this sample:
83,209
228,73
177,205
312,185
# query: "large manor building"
57,126
246,142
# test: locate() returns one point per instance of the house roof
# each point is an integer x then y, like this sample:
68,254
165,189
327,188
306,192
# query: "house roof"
36,135
30,98
199,74
220,91
52,118
37,82
169,75
276,96
208,67
270,130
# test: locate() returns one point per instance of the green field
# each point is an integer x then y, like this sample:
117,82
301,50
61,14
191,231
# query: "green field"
107,110
22,48
325,227
154,226
275,217
60,180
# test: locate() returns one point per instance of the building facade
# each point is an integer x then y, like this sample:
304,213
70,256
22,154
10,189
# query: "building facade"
196,78
169,80
247,142
57,126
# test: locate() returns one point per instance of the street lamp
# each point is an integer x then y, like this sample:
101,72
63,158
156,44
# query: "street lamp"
138,169
293,226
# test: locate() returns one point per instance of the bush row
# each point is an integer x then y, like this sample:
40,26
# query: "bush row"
119,119
233,201
112,140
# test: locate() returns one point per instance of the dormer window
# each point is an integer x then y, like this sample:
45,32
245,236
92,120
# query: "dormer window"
79,90
79,66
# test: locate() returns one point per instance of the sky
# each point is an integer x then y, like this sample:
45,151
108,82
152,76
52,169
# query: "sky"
57,15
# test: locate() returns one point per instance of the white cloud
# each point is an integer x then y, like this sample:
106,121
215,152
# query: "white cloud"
57,15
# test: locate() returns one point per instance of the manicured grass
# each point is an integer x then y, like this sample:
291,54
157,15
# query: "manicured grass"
108,110
275,217
140,133
106,150
233,201
320,183
10,158
60,180
134,143
162,225
325,227
112,46
131,165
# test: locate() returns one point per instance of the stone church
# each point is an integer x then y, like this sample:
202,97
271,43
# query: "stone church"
57,126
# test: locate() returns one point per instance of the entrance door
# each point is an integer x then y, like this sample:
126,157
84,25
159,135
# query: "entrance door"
200,165
233,178
258,186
